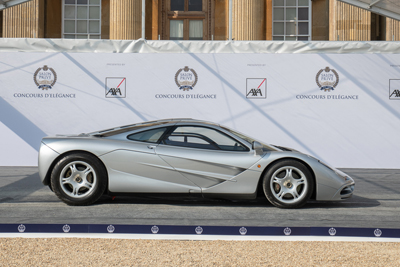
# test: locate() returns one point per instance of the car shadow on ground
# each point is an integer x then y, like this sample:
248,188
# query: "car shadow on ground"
28,188
354,202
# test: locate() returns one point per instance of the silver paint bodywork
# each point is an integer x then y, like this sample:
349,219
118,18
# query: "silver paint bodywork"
140,167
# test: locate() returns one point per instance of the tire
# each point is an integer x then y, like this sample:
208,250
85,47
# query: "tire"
79,179
288,184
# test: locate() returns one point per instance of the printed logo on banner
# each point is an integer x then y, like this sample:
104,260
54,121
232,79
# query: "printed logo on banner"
242,231
155,229
256,88
198,230
394,89
110,228
332,231
186,78
287,231
378,232
45,78
327,79
115,87
66,228
21,228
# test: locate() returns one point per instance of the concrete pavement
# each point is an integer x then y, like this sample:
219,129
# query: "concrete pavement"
375,204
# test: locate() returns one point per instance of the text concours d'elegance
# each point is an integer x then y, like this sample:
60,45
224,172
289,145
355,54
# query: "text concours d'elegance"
31,95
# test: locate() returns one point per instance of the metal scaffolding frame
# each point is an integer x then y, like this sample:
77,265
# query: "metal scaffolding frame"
9,3
387,8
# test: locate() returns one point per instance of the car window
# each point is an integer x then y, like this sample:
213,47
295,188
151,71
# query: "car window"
197,140
204,138
187,140
151,136
127,128
247,138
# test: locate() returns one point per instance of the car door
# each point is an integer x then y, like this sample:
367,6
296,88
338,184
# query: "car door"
205,155
137,168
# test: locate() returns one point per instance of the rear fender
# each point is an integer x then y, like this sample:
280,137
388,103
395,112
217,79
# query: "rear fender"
47,175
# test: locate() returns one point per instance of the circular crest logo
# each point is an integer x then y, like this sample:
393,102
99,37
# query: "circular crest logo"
378,232
243,231
45,77
186,78
198,230
287,231
21,228
327,79
66,228
155,229
332,231
110,228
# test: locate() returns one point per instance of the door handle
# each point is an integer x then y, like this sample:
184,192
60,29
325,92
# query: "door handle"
151,147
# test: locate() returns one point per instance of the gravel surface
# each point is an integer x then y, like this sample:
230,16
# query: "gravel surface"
117,252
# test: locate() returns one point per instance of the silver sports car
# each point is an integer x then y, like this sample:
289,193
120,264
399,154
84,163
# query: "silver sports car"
184,156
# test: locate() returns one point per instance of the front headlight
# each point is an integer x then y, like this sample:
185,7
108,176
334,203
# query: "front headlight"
339,173
326,165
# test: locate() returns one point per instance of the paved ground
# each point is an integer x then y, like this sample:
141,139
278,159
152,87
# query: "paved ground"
376,203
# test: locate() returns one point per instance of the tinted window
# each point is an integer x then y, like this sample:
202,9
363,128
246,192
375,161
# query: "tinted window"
195,5
202,137
151,136
177,5
190,141
128,128
245,137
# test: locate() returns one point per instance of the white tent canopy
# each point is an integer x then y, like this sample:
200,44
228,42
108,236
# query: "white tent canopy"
387,8
9,3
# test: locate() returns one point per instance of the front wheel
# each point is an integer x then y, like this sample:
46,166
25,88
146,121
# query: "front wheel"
288,184
79,179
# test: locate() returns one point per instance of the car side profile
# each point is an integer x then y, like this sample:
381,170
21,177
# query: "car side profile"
184,156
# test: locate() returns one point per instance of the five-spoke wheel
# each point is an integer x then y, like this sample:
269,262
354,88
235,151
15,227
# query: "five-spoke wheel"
79,179
288,184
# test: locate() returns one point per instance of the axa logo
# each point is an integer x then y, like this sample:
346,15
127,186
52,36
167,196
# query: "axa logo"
394,89
256,88
115,87
395,94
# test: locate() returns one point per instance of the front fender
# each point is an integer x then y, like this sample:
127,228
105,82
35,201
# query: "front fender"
327,181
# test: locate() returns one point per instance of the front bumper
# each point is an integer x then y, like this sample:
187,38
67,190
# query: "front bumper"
333,184
345,191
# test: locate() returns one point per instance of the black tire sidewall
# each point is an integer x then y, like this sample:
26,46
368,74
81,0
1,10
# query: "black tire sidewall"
287,163
99,188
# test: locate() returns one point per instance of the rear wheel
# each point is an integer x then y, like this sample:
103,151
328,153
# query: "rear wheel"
79,179
288,184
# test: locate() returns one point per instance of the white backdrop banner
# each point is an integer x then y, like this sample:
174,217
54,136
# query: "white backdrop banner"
341,108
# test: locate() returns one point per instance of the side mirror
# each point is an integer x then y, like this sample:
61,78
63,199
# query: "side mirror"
257,147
